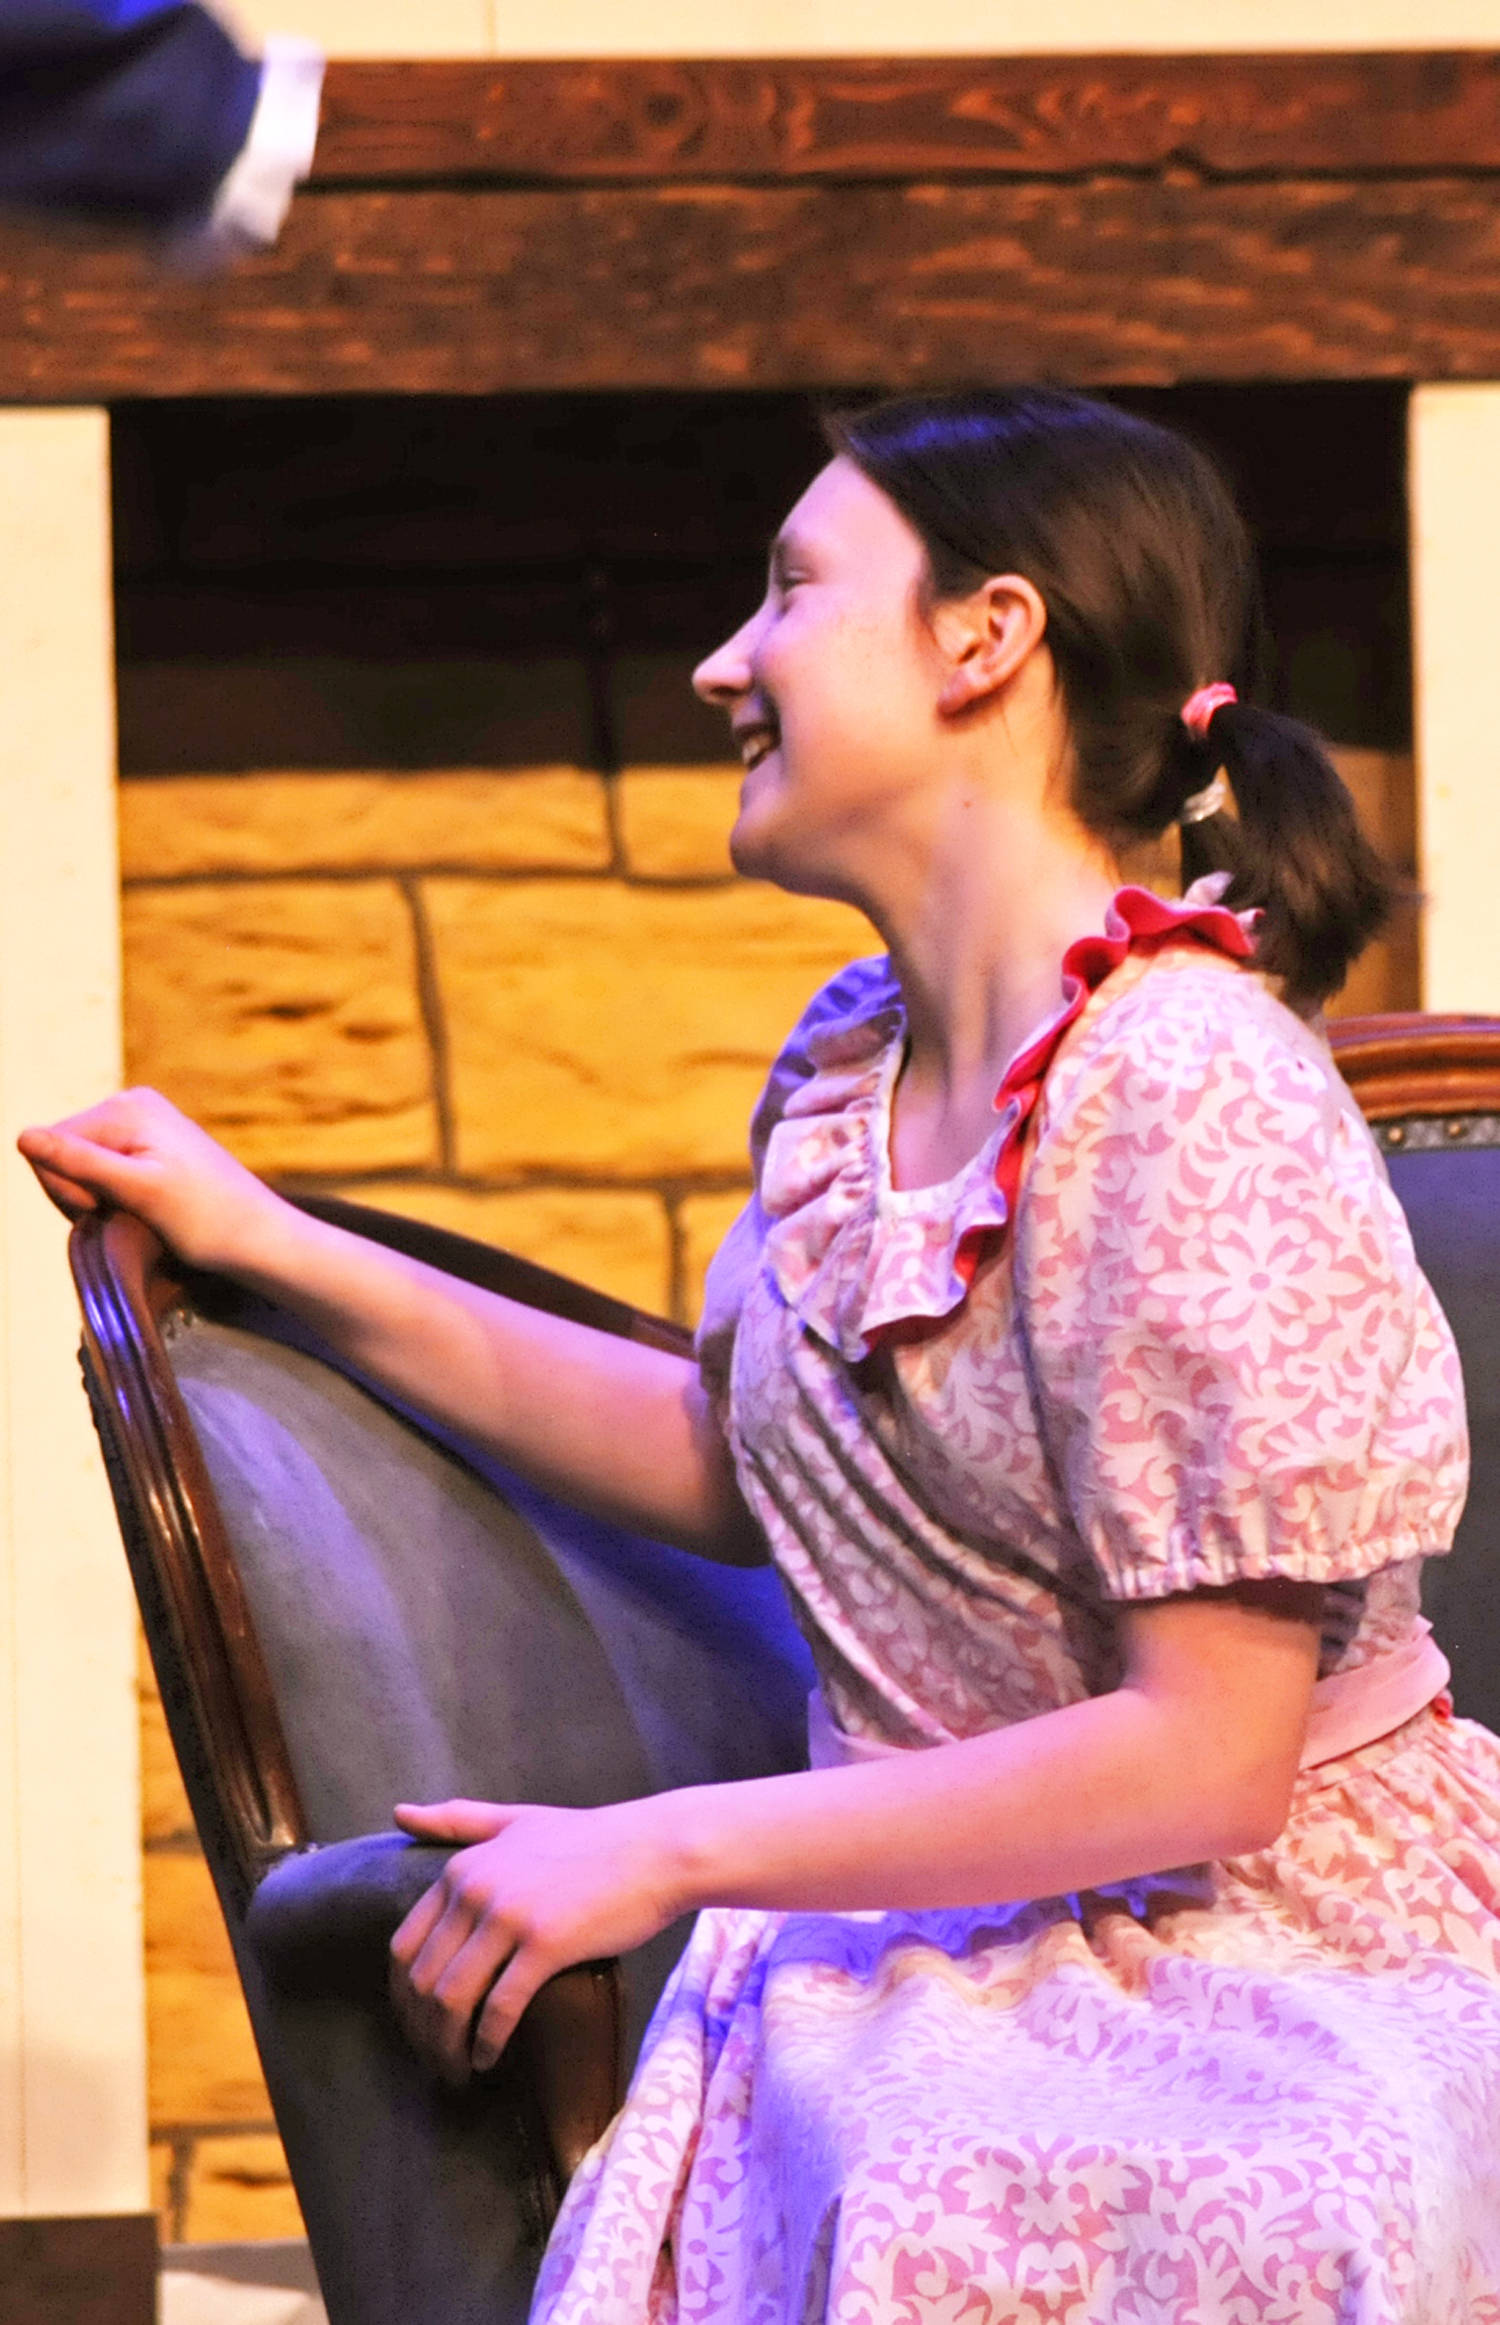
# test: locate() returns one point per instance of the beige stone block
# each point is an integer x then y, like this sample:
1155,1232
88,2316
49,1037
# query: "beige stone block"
285,1016
239,2191
616,1240
703,1222
547,819
165,1814
203,2066
675,821
604,1029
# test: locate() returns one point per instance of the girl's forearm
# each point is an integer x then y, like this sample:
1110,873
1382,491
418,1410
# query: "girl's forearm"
619,1428
1095,1796
1123,1784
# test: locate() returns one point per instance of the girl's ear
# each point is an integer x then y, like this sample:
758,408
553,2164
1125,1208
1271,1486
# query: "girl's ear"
986,638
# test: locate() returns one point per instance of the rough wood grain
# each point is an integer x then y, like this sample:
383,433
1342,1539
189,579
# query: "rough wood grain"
799,287
576,121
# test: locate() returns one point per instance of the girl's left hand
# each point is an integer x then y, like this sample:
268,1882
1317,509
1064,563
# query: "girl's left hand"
536,1890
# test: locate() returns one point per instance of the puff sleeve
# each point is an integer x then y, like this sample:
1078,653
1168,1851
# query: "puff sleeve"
1240,1370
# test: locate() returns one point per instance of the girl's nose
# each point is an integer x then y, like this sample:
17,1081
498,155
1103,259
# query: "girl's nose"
725,674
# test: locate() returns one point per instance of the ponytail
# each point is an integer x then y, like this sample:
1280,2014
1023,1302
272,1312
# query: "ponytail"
1292,846
1143,562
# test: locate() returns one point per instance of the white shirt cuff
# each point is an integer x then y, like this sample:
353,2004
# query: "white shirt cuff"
255,196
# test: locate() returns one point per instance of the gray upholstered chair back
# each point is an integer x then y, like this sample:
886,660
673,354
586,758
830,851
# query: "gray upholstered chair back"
1431,1088
1451,1196
433,1626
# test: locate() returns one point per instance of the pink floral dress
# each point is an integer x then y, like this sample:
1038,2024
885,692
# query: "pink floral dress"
1190,1345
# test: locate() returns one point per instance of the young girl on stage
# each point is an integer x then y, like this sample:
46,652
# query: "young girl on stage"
1131,1950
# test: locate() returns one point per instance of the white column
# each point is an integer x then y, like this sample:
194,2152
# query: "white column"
72,2008
1454,482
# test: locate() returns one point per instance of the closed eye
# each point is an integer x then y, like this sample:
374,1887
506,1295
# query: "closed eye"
785,573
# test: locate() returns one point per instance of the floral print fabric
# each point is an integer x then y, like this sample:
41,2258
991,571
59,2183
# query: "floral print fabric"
1194,1346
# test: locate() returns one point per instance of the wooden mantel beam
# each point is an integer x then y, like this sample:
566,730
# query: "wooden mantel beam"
727,287
476,228
579,123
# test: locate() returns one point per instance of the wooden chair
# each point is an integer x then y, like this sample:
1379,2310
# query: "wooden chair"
344,1608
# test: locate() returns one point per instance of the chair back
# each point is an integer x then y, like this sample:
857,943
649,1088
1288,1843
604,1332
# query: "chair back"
1430,1087
346,1609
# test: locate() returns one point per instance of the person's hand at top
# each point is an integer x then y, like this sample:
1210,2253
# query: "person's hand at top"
148,112
137,1152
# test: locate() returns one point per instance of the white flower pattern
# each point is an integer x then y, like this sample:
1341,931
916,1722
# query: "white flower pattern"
1258,2093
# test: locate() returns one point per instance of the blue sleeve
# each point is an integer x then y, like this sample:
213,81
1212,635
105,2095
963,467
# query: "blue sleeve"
135,107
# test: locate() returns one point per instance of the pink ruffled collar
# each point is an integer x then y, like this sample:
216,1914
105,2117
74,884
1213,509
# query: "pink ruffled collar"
859,1259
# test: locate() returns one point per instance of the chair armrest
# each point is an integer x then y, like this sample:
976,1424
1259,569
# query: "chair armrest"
322,1920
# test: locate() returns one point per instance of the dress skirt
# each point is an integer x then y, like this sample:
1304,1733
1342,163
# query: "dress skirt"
1265,2092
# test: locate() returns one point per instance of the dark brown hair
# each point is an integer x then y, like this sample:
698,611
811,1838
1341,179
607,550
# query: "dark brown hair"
1144,564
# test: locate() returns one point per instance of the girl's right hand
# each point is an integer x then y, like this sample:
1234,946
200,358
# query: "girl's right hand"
136,1152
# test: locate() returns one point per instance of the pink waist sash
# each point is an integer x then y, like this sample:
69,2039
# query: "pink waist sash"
1355,1708
1348,1710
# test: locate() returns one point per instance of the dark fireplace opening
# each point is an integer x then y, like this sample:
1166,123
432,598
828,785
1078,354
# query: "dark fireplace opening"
422,581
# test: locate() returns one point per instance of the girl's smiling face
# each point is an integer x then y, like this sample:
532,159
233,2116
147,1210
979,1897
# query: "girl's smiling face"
832,689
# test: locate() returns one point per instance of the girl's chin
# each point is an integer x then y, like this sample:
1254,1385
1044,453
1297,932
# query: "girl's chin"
759,851
751,843
766,844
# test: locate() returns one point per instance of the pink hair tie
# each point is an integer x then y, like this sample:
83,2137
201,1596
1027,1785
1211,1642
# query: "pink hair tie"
1199,708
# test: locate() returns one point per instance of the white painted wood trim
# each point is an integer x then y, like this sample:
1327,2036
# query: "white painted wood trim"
694,28
72,1990
1454,482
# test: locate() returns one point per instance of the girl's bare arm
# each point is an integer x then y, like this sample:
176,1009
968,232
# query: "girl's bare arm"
1192,1758
617,1428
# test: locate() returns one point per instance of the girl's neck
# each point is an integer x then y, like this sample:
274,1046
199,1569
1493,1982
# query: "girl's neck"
976,936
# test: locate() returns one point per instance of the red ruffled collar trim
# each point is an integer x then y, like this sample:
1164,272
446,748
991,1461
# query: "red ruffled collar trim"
1137,922
862,1263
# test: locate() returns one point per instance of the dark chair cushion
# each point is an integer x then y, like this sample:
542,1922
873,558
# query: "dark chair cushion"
1452,1199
